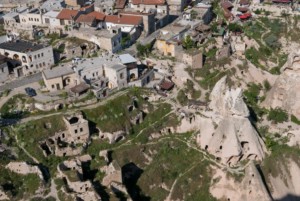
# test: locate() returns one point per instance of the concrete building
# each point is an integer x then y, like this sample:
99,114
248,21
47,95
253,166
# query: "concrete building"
33,57
59,78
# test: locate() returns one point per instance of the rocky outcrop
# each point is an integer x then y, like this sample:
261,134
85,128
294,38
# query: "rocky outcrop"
250,188
285,92
24,168
227,132
285,184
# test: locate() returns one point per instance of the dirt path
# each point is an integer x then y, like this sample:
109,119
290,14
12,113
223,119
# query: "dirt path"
175,182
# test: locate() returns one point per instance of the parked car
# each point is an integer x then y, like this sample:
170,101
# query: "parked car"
76,60
30,91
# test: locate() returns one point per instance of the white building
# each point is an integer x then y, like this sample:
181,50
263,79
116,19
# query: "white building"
32,17
50,19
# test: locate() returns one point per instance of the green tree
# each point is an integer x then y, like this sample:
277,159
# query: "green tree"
278,115
188,43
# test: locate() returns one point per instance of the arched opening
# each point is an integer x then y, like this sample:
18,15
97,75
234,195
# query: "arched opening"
6,54
206,147
16,57
132,76
24,59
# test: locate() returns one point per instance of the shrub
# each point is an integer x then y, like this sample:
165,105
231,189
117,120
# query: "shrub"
267,85
278,115
295,119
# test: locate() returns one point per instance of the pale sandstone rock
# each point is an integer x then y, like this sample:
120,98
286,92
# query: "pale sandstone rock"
233,138
285,92
249,189
287,183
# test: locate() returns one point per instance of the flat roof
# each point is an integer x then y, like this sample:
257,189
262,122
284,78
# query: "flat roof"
127,58
57,72
52,14
21,46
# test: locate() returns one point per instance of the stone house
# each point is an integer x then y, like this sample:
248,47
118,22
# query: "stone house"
109,40
169,40
50,19
59,78
160,6
72,172
128,24
33,57
149,20
32,17
67,17
177,6
66,143
131,64
204,12
193,58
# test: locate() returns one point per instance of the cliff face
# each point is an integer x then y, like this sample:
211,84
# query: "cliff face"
285,185
233,137
250,188
285,92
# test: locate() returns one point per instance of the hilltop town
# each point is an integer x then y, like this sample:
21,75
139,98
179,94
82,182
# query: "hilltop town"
162,100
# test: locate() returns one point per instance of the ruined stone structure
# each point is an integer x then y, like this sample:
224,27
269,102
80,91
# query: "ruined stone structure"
64,143
72,172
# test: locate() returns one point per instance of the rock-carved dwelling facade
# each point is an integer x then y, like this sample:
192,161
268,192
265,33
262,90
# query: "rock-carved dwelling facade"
67,142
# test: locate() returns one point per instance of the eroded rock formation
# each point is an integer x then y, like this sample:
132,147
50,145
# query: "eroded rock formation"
227,132
285,92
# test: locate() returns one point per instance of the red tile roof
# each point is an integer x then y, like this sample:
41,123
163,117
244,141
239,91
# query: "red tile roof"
85,19
97,15
148,2
67,14
124,19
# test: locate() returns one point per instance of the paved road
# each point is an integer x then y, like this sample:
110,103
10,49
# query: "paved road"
21,82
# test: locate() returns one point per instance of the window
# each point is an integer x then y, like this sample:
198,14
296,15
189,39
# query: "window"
44,64
52,86
39,55
121,75
68,80
34,56
40,65
81,129
42,54
36,65
75,130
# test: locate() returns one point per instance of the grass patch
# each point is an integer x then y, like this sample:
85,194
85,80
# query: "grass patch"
18,187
